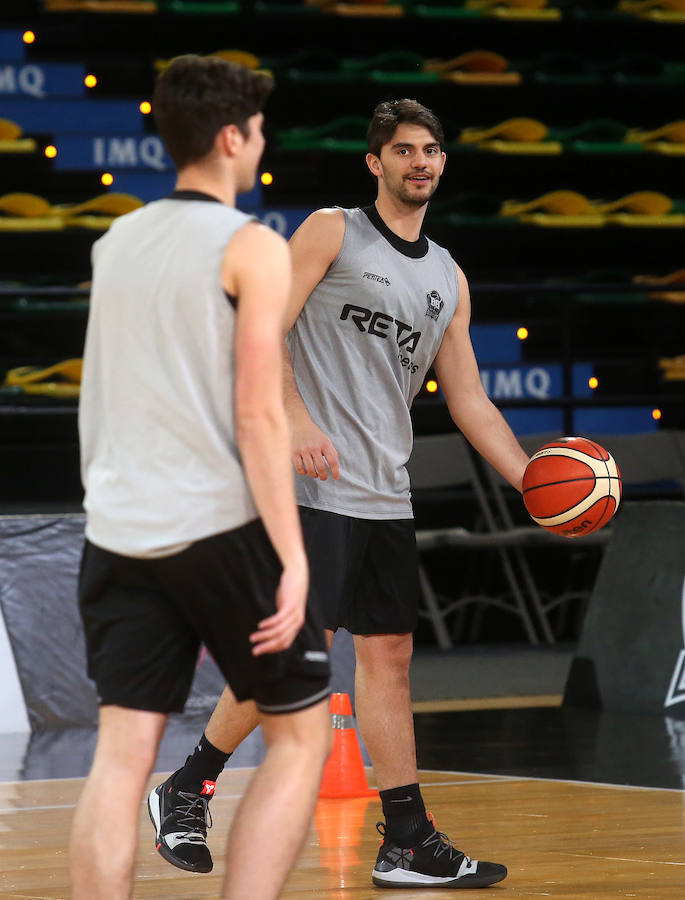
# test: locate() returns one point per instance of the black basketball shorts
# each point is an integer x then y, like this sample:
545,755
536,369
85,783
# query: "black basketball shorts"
145,620
364,572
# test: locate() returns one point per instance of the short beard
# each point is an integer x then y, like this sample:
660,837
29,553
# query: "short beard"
411,199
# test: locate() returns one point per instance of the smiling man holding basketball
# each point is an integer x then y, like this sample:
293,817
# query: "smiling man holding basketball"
374,304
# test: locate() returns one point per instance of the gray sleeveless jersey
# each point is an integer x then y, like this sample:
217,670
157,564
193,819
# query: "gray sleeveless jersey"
160,462
361,348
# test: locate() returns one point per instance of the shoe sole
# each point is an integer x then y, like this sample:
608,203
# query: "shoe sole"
398,879
160,846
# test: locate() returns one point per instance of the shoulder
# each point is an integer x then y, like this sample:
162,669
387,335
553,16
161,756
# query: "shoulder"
255,250
320,236
124,228
326,221
461,278
133,219
252,235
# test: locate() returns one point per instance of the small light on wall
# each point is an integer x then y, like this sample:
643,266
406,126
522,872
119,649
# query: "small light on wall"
267,178
431,386
656,414
593,382
145,107
90,81
107,179
29,37
51,151
522,333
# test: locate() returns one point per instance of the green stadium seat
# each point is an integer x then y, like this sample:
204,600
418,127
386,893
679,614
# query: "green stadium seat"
404,66
511,10
344,135
200,7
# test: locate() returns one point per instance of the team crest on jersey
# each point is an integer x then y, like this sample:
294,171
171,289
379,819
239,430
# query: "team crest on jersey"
435,304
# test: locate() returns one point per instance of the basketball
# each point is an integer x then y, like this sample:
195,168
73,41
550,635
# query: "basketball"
572,486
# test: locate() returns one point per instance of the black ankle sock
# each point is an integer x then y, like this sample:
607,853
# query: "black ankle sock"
406,822
205,764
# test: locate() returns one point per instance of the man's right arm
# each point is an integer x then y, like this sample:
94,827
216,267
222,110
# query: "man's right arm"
313,247
256,269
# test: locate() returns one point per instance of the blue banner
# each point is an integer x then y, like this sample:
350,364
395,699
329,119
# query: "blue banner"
109,153
88,116
496,343
284,221
42,80
614,420
535,421
543,381
148,186
12,45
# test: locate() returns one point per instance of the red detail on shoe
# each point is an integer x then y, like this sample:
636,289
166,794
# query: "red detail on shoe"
431,819
208,788
158,845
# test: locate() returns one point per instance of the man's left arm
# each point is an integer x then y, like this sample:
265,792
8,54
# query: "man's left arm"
471,409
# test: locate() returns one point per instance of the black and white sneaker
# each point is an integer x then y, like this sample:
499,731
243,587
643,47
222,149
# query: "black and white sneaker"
181,819
434,863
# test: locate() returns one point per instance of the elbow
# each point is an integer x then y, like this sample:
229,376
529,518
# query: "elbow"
258,419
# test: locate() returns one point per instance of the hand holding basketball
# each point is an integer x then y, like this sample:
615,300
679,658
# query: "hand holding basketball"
572,486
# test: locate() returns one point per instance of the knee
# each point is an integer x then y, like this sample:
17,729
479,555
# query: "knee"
307,735
128,741
134,765
385,655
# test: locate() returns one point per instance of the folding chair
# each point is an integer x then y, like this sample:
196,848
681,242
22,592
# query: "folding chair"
442,462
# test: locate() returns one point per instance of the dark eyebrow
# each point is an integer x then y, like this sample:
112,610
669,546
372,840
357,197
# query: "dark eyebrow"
401,144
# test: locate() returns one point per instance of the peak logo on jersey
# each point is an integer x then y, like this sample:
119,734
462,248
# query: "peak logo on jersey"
383,279
435,304
379,324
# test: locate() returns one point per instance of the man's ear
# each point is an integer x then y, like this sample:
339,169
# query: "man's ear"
374,164
231,139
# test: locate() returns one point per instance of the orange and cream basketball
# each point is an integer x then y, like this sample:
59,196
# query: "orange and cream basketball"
572,486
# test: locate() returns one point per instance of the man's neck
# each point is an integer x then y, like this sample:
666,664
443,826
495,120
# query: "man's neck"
192,179
405,221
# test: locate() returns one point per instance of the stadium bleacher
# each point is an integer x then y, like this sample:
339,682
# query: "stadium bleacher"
563,197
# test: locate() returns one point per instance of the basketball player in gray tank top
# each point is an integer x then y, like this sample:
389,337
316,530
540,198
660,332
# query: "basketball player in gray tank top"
375,303
193,533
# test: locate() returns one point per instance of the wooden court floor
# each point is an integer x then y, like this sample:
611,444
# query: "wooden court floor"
559,839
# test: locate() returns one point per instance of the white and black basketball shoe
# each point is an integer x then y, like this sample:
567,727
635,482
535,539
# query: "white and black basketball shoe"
181,819
434,863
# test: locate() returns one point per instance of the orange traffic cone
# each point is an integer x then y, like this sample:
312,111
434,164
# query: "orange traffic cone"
343,774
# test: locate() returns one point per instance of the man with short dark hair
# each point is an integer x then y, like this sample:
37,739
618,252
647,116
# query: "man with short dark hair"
374,304
192,533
